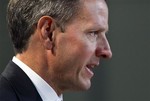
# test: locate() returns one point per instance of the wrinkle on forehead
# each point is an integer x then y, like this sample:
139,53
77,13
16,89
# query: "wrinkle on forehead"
93,7
95,14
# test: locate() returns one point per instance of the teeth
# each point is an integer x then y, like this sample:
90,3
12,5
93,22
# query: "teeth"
90,66
89,70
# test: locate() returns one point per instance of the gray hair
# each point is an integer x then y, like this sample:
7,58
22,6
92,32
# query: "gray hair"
23,15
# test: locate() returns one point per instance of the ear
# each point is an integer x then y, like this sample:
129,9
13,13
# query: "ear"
45,27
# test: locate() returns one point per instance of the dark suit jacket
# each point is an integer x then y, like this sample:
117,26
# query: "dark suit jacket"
16,86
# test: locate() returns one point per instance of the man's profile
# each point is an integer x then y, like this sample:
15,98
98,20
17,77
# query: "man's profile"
57,44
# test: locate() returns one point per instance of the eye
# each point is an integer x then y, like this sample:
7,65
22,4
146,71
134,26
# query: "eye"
92,35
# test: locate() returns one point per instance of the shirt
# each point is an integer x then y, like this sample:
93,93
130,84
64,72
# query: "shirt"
46,92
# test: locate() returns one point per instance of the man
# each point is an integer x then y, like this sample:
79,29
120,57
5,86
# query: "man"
57,44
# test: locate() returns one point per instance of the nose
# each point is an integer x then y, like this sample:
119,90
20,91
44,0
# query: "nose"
103,48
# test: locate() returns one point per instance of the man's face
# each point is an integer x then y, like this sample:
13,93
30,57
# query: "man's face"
79,49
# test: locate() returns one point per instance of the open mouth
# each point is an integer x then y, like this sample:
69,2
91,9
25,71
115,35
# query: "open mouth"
89,70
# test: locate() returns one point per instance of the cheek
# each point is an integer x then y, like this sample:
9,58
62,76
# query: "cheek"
74,51
73,59
86,49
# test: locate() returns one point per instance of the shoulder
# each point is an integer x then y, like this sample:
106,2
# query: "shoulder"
6,90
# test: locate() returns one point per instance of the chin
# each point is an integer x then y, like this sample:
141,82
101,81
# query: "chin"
82,86
86,85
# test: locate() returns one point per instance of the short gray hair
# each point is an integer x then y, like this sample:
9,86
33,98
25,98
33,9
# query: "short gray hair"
22,15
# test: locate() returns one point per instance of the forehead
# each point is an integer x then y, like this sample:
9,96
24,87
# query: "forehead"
94,12
94,7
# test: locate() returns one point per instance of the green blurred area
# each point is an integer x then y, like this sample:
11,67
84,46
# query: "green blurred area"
126,76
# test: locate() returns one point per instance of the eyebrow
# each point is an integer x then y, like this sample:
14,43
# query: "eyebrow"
102,29
98,28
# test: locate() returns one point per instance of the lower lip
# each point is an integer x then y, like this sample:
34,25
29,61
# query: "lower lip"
89,72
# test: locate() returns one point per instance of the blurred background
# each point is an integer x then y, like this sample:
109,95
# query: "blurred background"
126,77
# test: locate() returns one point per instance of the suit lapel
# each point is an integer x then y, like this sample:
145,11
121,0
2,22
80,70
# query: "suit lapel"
21,84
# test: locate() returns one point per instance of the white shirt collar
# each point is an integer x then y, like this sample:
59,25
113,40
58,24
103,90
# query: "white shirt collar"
46,92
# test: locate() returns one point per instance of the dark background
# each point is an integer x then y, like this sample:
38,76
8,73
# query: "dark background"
126,77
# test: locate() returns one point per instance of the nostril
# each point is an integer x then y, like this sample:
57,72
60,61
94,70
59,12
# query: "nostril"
104,56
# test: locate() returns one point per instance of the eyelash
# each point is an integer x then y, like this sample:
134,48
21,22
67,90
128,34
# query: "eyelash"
95,33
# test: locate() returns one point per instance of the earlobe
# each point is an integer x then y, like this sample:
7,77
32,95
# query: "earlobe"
45,28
